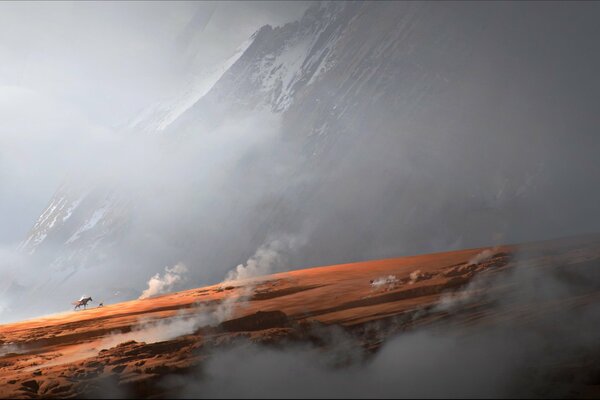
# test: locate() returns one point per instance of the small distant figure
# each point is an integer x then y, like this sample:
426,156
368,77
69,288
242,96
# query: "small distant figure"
82,302
100,305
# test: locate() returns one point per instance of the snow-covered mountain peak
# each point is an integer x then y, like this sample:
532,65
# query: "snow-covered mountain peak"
281,60
157,117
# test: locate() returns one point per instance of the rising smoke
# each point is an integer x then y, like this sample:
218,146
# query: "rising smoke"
484,255
54,131
516,348
491,125
269,258
408,170
160,284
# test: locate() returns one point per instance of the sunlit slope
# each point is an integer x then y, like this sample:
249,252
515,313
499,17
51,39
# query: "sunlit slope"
134,342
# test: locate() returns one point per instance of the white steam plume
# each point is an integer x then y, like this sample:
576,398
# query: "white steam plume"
162,284
388,282
482,256
268,258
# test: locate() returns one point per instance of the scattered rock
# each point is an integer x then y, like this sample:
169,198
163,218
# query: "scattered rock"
94,364
48,386
128,343
31,386
119,368
61,389
159,370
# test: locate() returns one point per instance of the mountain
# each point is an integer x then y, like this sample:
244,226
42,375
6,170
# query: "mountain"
366,130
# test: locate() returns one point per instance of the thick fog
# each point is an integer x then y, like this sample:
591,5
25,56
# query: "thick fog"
499,338
517,350
431,127
447,126
72,73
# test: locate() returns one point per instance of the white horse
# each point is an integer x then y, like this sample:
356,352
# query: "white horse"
82,302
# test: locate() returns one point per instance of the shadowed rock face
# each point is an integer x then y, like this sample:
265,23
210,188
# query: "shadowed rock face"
135,348
259,321
405,128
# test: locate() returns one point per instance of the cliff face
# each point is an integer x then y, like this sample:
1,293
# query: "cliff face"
398,128
422,127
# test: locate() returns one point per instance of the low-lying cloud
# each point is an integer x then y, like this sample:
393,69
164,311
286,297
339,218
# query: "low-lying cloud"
516,348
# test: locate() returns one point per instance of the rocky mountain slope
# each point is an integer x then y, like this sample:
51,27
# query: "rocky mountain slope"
162,346
399,128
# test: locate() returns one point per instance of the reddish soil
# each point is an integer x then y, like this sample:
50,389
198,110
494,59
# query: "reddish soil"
77,353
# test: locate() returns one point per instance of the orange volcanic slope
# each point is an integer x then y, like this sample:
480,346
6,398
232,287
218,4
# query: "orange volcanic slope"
134,342
320,293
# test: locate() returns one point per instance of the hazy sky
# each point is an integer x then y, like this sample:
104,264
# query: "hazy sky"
73,71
